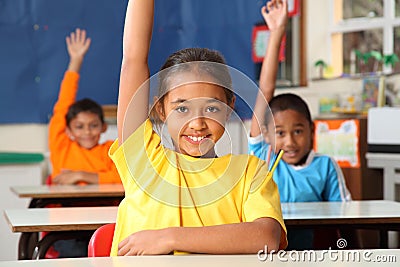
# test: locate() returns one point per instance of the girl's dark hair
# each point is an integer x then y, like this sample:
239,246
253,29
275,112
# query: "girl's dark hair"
287,101
211,64
84,105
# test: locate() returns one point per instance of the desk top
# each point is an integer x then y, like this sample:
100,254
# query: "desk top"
352,212
69,191
383,156
344,258
367,212
59,219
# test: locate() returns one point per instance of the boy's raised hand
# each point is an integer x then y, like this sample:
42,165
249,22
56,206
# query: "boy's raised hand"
77,45
275,14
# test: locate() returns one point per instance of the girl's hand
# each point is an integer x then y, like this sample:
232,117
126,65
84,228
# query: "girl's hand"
147,242
275,14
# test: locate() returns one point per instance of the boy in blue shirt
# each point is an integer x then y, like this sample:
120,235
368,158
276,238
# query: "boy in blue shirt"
302,175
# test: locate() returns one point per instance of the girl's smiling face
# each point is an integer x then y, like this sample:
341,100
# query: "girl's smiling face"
195,114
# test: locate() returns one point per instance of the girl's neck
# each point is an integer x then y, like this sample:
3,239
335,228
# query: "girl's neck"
210,154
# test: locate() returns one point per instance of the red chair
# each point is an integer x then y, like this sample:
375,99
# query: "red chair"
101,241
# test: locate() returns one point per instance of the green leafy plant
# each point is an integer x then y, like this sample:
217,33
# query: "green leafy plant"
378,58
363,59
390,59
321,65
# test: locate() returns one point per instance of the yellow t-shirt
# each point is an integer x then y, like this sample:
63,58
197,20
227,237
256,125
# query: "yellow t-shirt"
166,189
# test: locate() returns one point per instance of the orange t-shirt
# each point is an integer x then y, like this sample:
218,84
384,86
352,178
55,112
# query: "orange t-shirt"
66,154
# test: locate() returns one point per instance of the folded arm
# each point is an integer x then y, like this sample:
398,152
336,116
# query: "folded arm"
237,238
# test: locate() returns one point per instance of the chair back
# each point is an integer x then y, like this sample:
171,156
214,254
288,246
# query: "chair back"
48,180
101,241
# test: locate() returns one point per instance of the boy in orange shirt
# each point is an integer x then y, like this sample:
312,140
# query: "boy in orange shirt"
74,133
75,128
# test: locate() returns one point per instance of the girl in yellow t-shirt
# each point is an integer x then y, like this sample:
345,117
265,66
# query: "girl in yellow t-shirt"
183,197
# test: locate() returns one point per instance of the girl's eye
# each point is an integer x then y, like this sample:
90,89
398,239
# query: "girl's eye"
181,109
279,133
212,109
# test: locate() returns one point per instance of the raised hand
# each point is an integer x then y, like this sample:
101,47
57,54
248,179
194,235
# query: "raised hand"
275,14
77,45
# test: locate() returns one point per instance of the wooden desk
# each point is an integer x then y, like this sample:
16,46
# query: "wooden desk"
343,258
69,195
374,213
367,214
60,219
380,215
62,223
389,162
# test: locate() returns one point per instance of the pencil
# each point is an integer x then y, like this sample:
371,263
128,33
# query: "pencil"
276,161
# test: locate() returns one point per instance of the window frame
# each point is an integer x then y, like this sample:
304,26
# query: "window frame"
339,26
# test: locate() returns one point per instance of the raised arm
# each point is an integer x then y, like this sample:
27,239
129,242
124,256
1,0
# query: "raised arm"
77,46
275,15
134,68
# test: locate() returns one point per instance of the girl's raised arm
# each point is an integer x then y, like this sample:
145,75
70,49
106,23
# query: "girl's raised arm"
134,69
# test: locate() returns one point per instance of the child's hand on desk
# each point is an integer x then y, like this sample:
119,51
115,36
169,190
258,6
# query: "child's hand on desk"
75,177
147,242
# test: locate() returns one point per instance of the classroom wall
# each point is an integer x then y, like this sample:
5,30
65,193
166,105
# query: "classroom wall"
33,137
34,57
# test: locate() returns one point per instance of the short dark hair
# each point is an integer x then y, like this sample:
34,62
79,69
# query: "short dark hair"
288,101
84,105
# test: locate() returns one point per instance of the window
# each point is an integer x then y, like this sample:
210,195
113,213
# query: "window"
359,27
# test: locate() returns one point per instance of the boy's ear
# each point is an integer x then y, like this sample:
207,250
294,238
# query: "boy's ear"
69,133
312,134
104,127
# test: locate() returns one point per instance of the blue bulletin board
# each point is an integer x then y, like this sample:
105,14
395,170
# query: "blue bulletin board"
33,55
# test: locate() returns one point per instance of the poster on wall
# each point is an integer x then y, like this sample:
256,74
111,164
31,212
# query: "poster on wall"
340,140
373,92
260,42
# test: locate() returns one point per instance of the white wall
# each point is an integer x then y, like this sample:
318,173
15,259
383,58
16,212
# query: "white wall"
317,34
